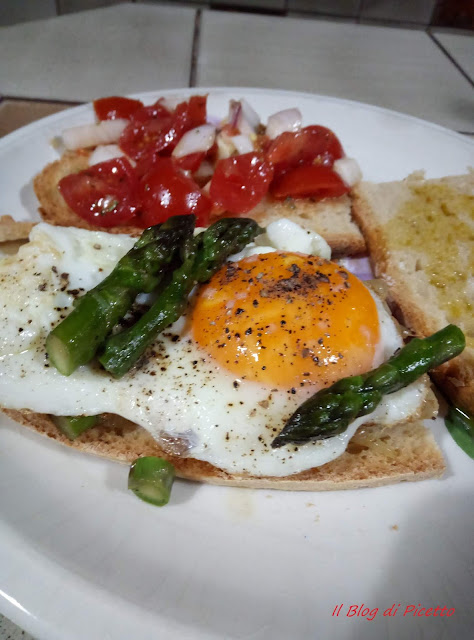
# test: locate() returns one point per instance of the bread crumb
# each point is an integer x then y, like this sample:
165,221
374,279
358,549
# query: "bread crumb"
394,527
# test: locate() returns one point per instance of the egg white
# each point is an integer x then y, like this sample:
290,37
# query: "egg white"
178,391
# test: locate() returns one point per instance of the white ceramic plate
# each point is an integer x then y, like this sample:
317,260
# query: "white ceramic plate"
80,557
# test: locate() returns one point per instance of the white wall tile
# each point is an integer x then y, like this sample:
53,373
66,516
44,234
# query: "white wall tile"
70,6
275,5
178,3
13,11
348,8
400,69
81,56
418,11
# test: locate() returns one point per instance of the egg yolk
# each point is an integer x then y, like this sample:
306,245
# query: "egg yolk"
287,320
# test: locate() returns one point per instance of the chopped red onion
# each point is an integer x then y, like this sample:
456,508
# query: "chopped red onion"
91,135
104,152
286,120
360,267
242,144
199,139
349,170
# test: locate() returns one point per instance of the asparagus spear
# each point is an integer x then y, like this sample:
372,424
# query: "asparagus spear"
73,426
76,339
208,252
151,479
461,426
330,411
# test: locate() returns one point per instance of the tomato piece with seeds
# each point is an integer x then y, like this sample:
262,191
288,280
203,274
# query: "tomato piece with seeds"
239,183
167,191
116,107
104,194
309,181
312,145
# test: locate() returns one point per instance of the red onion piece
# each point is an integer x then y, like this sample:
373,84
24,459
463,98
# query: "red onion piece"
199,139
360,267
349,170
282,121
91,135
104,152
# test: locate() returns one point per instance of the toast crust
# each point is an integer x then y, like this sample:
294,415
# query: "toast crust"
331,218
415,300
13,230
376,455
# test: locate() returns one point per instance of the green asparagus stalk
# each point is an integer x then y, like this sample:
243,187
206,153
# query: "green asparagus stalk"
77,338
151,479
73,426
209,251
330,411
461,426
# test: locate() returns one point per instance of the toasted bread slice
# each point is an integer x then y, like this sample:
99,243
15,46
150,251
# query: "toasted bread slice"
420,236
376,455
331,218
12,230
53,208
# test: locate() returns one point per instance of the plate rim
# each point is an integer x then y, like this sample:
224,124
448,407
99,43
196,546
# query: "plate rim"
14,610
19,133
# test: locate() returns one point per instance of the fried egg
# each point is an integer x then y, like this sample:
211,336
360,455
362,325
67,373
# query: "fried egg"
258,339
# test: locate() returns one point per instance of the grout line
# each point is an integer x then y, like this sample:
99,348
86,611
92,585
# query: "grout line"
450,57
71,103
332,17
195,48
235,8
355,19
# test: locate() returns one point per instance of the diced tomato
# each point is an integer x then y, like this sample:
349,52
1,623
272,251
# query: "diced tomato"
314,144
104,194
155,130
146,131
309,181
197,111
166,192
116,107
147,162
191,162
186,116
240,182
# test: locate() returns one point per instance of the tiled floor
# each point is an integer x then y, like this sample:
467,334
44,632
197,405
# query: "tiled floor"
129,48
110,51
460,47
396,68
